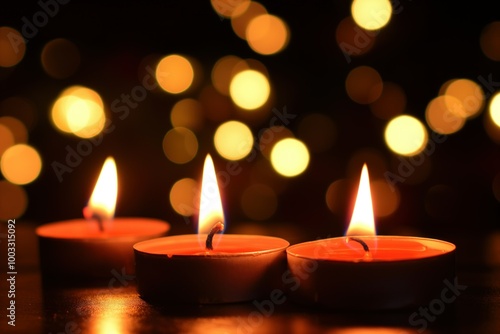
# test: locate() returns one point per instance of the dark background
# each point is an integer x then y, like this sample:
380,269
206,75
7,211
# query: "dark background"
424,45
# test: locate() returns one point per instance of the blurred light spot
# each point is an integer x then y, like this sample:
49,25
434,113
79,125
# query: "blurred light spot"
79,110
243,14
386,199
371,14
218,107
249,89
373,158
445,114
233,140
290,157
6,138
13,201
337,198
492,129
494,109
352,39
12,47
187,113
441,202
267,34
392,102
183,197
270,136
180,145
468,93
21,164
19,108
16,127
222,73
259,202
496,186
405,135
226,8
318,131
490,41
60,58
174,74
364,85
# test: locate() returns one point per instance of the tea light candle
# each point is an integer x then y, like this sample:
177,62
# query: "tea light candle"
209,267
82,249
363,271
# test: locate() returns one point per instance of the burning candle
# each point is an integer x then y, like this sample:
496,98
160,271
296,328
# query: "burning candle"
93,247
364,271
209,267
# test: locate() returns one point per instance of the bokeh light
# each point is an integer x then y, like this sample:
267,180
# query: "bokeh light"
290,157
392,102
336,196
386,199
187,113
80,111
13,200
371,14
233,140
270,136
16,127
180,145
490,41
318,131
174,74
243,14
183,197
352,39
226,8
21,164
494,109
6,138
445,114
405,135
469,93
249,89
223,72
12,47
364,85
259,202
60,58
267,34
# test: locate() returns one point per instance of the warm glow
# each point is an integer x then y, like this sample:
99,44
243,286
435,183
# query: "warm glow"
391,103
468,93
494,109
180,145
445,114
243,14
21,164
226,8
249,89
290,157
267,34
103,200
364,85
187,113
13,200
12,47
210,200
223,72
60,58
490,41
174,74
406,135
362,221
371,14
233,140
182,196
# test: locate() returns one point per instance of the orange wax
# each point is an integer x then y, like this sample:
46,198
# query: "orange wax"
75,250
396,272
178,269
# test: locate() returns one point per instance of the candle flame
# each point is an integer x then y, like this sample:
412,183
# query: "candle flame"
211,210
362,221
102,203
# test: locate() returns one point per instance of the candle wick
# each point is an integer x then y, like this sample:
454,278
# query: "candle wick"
218,227
100,222
361,242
